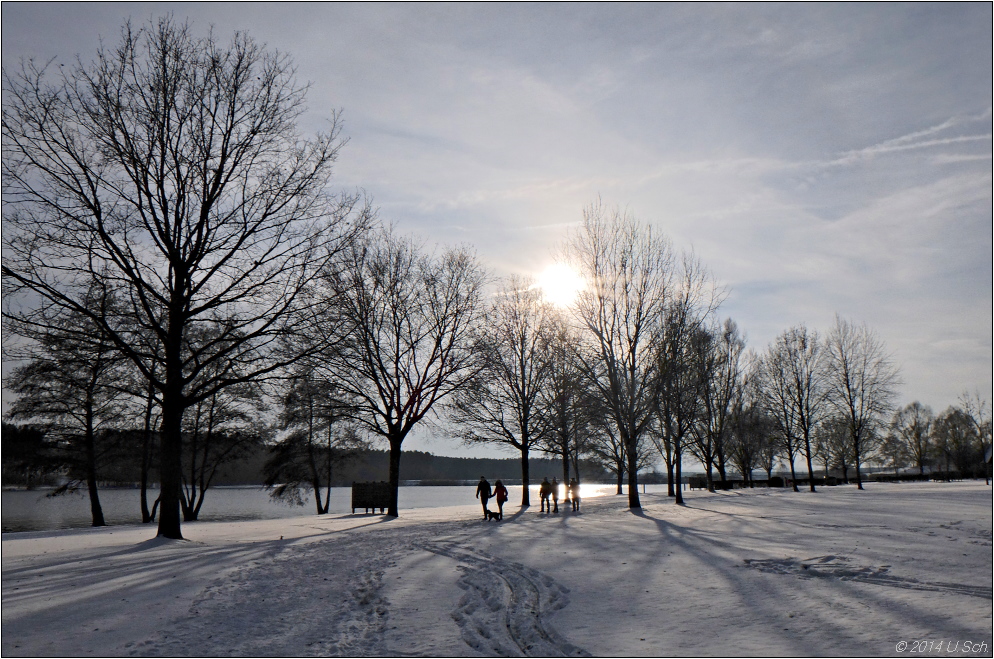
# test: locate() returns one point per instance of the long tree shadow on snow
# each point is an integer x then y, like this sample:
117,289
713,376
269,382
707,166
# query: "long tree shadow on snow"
707,547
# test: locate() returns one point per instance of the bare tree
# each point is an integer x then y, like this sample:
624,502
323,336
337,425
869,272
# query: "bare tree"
913,425
628,268
894,452
833,444
171,167
311,443
218,430
718,354
409,318
606,448
792,382
501,405
955,443
72,386
568,405
750,427
979,412
861,380
679,383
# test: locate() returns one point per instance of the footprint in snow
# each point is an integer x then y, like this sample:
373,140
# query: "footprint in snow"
505,605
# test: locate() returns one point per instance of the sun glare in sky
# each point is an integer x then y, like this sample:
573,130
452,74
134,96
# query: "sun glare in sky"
560,284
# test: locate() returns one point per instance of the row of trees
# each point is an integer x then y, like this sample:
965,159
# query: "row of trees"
956,440
175,263
641,364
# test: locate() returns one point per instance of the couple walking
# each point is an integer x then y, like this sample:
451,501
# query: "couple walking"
483,493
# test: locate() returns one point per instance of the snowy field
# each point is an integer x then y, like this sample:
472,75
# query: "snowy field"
896,570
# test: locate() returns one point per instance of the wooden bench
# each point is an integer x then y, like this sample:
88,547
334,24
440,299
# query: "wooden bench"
370,496
698,483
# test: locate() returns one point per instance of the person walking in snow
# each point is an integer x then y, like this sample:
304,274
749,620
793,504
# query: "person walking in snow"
544,490
483,494
574,493
555,494
500,493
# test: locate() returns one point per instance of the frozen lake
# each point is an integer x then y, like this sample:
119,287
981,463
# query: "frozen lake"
34,511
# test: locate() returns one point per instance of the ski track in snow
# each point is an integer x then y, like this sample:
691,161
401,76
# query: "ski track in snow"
838,567
505,605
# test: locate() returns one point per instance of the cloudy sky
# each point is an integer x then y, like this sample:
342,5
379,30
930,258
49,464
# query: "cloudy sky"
820,159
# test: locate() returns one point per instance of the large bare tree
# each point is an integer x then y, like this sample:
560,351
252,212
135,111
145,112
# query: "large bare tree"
861,380
171,167
501,405
408,318
628,267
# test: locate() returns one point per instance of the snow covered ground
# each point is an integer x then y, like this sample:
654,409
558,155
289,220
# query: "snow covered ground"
742,573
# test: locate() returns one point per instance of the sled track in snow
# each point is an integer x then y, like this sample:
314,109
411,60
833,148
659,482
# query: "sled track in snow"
502,612
838,567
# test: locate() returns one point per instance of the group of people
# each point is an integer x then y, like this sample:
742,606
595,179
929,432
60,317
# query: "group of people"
546,491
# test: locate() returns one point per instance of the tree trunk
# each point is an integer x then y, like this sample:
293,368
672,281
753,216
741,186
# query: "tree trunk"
525,482
859,476
170,466
633,475
679,476
566,472
793,475
721,463
669,478
327,493
96,512
311,460
146,458
395,443
807,455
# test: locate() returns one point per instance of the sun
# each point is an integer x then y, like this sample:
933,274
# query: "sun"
560,284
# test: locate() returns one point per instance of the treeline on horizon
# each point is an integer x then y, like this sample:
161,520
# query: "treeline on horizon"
31,461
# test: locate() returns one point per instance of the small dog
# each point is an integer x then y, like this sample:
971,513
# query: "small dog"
491,515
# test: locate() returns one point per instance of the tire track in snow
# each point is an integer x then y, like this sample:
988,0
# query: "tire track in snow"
837,567
504,608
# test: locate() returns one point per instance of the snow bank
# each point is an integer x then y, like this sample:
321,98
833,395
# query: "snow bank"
760,573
